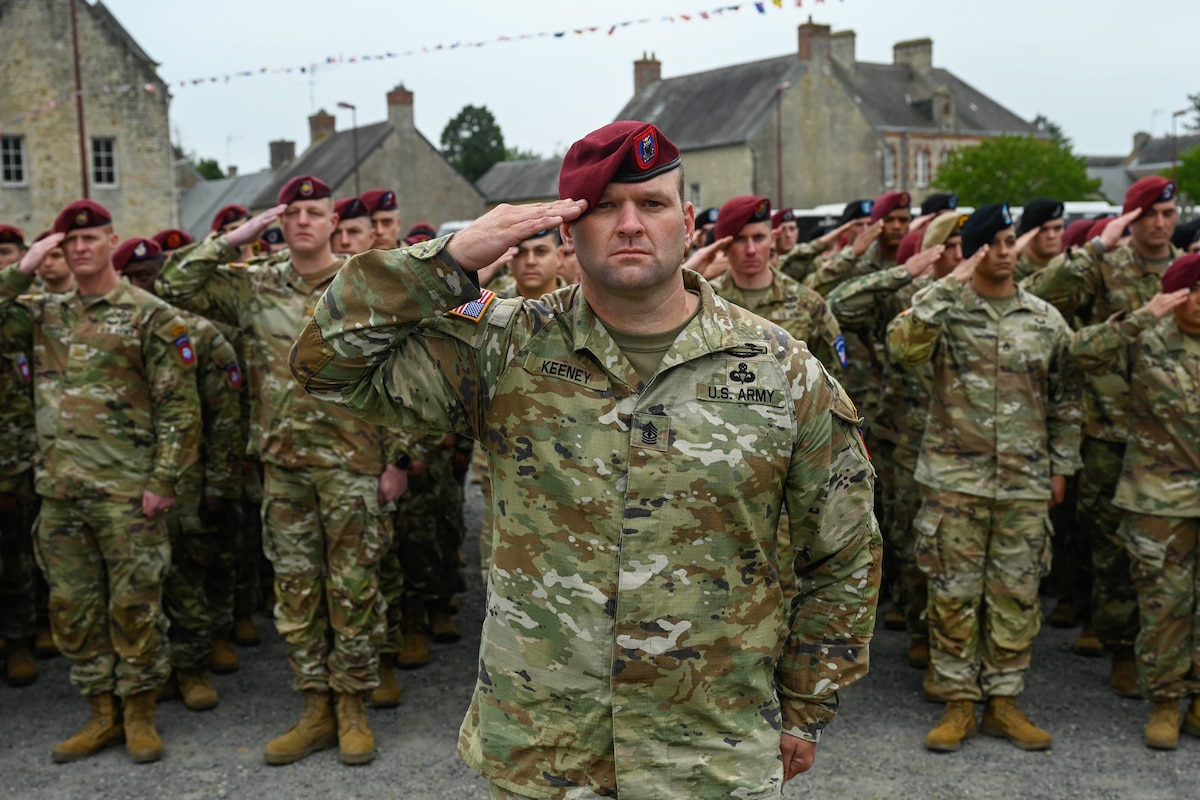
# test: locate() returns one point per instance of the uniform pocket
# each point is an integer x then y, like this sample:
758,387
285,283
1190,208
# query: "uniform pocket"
927,542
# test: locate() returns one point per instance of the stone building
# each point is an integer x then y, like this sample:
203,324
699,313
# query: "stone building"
818,125
391,154
126,143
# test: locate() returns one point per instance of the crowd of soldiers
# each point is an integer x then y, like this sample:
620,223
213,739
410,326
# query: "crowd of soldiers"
1028,393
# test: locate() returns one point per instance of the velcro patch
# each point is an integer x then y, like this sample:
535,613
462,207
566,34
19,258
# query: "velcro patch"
537,365
839,347
235,375
651,431
23,368
184,345
475,309
744,394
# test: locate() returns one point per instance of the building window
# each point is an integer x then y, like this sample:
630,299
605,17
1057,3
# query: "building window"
104,161
12,161
889,166
695,194
922,168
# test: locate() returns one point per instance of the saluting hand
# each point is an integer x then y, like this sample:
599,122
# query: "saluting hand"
706,259
505,226
835,234
1164,303
37,253
1024,239
866,236
922,263
1114,230
254,226
965,271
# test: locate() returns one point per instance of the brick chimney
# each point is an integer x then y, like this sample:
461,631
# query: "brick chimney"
321,126
283,152
814,42
645,72
400,107
231,171
1140,140
916,53
841,48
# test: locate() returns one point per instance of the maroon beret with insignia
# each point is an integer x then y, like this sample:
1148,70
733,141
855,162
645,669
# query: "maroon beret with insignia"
910,245
350,207
423,228
132,251
1147,191
229,214
739,212
12,235
82,214
303,187
781,216
172,239
1183,273
888,203
379,200
621,152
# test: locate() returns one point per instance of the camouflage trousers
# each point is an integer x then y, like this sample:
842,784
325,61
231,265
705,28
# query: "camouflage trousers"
250,572
198,591
1071,573
325,533
578,793
105,563
984,559
913,586
18,568
1114,600
1164,552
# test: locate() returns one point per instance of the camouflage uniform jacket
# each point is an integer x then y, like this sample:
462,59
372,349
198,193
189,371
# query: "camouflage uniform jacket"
219,378
802,260
864,306
269,301
18,434
1161,473
798,310
845,265
906,395
1005,411
1090,287
114,383
635,634
1025,266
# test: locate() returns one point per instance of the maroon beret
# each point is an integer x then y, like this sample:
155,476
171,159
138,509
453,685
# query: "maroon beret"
12,235
888,203
303,187
132,251
379,200
626,151
229,214
1183,273
1097,227
82,214
781,216
172,239
1076,233
910,245
350,207
740,211
1147,191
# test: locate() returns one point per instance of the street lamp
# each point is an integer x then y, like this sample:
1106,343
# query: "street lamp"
354,139
1175,142
779,90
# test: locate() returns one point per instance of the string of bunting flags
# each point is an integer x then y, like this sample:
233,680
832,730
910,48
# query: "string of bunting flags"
611,29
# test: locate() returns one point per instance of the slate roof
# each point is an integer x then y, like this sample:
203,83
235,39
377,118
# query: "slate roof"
331,160
1158,150
199,204
517,181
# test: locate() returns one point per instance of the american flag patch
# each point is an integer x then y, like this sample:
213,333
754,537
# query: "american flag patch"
474,309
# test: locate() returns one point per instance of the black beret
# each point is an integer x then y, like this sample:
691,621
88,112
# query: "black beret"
1038,212
706,217
1186,234
856,209
940,201
982,226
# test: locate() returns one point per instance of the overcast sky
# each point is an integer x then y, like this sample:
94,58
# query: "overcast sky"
1102,69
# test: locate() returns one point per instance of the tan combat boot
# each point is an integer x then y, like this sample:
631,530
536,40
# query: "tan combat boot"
918,654
103,729
894,619
141,739
442,626
414,651
197,690
43,644
1004,720
315,730
388,693
245,632
1087,643
19,667
1191,720
1063,615
355,740
1162,731
1123,678
224,659
957,725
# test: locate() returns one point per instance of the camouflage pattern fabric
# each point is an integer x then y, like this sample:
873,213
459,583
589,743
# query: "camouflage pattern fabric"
798,310
636,633
428,533
18,569
801,261
252,570
1025,266
845,265
184,596
984,558
325,534
116,404
1163,550
1005,410
913,583
105,564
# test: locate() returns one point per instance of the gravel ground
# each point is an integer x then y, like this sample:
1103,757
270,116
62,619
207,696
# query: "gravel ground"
873,750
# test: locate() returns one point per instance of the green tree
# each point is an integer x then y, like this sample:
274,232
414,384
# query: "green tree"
1187,174
1051,128
208,168
472,142
518,154
1194,125
1016,169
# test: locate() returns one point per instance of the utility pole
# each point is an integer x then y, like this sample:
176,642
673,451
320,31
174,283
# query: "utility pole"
354,139
83,160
